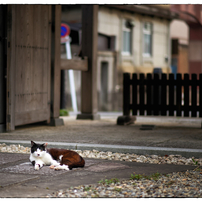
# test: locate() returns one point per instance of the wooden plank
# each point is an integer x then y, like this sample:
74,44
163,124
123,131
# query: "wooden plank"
49,58
186,95
55,61
10,119
179,94
200,95
134,94
163,94
89,49
194,94
28,56
31,117
141,94
19,76
126,94
149,88
156,94
3,54
75,64
171,94
32,61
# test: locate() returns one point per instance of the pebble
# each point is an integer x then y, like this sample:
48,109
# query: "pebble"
177,184
155,159
171,185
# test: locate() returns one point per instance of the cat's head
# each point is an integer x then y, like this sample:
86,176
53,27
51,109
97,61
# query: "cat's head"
38,150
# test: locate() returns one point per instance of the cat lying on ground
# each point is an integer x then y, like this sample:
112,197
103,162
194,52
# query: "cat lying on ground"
57,158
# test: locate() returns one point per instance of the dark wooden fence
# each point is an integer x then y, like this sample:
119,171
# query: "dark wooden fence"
156,94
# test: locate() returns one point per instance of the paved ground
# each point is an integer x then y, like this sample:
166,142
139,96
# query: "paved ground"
19,179
181,135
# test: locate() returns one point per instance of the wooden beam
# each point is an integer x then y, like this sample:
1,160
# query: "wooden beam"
10,118
55,65
75,64
89,49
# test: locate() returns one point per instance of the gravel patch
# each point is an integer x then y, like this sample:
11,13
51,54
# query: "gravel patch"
179,184
155,159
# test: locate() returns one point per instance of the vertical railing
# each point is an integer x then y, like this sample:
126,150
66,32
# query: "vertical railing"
162,95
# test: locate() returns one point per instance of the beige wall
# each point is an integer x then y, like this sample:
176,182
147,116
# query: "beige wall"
136,62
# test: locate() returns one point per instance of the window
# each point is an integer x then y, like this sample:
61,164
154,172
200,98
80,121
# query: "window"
127,37
106,43
147,39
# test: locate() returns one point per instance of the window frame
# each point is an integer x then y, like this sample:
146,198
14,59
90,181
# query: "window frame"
130,31
150,34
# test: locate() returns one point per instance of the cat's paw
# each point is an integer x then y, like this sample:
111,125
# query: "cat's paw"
61,167
52,167
57,168
37,167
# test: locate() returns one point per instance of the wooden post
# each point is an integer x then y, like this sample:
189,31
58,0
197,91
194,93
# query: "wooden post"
126,94
200,95
10,119
186,95
3,53
89,49
155,95
149,94
126,119
171,95
55,66
141,93
179,94
134,94
163,95
194,95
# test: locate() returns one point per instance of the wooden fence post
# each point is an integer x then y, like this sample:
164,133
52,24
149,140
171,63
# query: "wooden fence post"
186,95
179,94
141,94
149,94
193,94
171,94
126,119
163,94
134,94
156,94
126,94
200,95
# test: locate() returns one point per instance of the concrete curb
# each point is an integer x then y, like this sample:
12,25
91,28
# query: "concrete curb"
140,150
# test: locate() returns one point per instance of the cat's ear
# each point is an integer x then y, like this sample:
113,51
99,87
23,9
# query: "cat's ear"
32,143
45,144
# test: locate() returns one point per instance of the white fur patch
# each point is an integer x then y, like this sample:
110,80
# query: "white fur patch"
61,167
60,157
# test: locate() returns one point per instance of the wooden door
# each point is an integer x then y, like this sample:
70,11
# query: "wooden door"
2,67
31,44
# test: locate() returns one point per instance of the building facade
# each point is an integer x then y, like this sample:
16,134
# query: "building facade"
192,15
134,39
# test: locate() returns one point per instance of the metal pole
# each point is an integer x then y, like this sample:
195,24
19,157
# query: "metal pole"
71,78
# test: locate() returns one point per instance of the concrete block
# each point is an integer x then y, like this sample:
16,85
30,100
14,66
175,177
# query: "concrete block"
88,116
56,122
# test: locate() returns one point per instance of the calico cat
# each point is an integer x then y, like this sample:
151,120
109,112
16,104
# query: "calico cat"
57,158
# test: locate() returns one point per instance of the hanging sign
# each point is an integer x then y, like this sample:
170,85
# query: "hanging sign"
65,31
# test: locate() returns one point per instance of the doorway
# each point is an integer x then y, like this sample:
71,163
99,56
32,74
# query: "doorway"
104,86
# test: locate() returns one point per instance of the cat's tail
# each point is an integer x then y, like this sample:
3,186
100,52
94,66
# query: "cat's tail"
81,163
